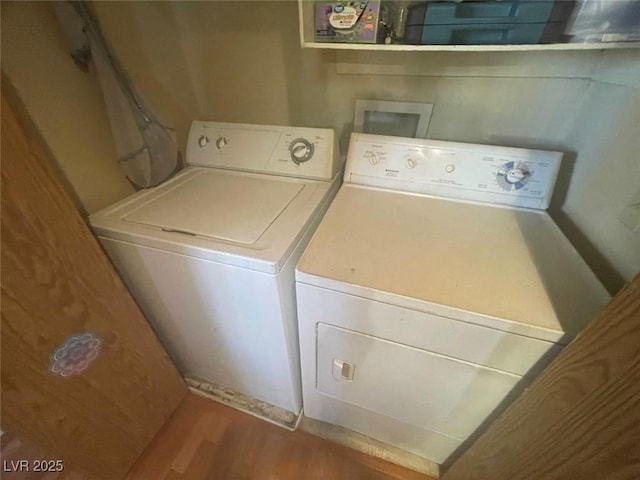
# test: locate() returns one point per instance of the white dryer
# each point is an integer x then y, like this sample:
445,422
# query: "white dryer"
210,254
435,288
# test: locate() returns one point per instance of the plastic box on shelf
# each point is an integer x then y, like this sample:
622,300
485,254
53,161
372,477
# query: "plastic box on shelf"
605,21
487,22
357,22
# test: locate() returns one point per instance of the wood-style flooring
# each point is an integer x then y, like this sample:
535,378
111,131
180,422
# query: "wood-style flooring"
205,440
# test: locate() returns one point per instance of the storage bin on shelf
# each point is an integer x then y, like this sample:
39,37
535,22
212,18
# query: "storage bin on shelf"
486,22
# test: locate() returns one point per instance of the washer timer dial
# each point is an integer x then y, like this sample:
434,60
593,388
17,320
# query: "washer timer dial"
301,150
513,176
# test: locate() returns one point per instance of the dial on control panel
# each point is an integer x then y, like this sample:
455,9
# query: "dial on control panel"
374,159
221,142
203,140
301,150
513,176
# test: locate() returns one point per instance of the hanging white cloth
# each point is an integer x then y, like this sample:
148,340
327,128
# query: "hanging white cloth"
146,149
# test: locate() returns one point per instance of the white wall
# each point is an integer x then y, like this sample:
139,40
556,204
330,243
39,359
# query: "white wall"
603,180
241,61
64,103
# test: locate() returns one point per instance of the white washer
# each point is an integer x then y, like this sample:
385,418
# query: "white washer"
210,254
435,288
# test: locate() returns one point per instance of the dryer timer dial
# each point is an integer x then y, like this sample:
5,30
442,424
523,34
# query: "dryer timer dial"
513,176
301,150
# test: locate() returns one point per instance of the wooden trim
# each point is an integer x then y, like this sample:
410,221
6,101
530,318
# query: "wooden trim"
57,282
581,418
12,98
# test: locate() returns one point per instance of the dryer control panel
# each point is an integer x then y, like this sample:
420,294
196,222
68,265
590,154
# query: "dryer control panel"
292,151
485,173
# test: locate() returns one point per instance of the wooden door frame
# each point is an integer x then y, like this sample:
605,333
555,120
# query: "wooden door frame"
57,284
580,419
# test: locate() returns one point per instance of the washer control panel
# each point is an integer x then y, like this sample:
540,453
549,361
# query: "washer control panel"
506,175
293,151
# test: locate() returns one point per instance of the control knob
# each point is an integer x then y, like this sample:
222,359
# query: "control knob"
203,140
301,150
513,176
221,142
516,175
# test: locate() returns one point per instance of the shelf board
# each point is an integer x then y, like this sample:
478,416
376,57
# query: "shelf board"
306,29
469,48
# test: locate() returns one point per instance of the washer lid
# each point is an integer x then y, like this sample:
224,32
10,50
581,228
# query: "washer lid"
218,205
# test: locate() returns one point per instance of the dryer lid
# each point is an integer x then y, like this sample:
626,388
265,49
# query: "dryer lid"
218,205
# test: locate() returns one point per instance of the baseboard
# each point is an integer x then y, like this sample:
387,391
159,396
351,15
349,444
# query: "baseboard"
263,410
370,446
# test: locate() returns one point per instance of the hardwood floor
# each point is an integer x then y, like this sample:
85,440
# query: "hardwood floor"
205,440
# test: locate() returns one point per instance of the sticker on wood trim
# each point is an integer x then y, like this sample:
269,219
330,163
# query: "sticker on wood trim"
75,354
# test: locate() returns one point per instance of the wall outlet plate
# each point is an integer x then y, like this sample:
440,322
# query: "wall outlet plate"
630,216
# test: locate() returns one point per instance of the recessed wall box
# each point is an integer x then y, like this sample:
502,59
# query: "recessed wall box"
398,119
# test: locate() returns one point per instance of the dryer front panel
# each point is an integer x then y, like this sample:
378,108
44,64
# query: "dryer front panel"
406,383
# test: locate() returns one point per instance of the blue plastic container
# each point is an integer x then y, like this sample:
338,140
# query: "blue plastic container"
487,22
